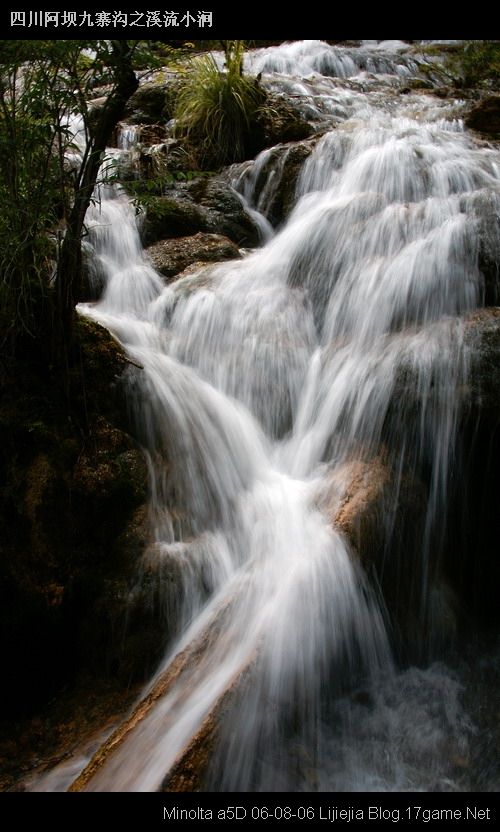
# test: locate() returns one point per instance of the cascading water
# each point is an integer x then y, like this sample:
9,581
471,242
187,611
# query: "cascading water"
295,605
264,383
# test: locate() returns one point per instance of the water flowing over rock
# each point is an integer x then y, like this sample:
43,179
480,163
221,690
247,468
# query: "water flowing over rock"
268,183
301,412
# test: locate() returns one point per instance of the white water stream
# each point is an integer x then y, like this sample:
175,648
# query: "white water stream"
265,380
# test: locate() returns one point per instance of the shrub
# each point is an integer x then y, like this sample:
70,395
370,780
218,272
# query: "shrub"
216,108
480,62
476,63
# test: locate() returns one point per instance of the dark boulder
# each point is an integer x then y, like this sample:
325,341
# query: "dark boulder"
486,207
153,102
73,480
485,116
482,336
206,204
171,216
473,517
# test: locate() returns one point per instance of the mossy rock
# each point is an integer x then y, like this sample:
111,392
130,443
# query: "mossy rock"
206,205
419,84
147,105
153,103
167,217
482,335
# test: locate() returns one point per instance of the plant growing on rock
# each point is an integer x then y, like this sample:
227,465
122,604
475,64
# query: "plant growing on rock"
216,108
478,64
472,63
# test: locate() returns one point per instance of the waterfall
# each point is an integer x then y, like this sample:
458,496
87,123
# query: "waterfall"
296,605
338,344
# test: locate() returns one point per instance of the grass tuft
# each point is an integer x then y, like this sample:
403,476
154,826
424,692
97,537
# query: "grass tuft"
215,107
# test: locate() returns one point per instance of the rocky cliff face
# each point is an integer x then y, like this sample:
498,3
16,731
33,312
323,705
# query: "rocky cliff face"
73,525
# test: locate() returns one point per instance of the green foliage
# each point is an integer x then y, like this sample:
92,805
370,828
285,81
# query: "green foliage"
480,63
215,108
35,185
474,63
42,84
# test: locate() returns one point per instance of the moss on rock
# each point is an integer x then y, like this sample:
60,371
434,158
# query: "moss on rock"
207,204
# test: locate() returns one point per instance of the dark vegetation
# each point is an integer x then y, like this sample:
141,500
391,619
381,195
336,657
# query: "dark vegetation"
43,198
470,66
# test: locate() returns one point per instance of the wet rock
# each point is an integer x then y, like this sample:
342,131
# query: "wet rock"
152,103
485,117
482,335
485,205
277,197
419,84
226,212
215,194
150,167
274,191
443,92
208,205
278,121
169,257
352,501
382,514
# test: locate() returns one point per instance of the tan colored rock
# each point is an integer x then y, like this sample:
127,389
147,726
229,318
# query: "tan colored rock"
354,496
170,257
190,762
382,516
188,773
